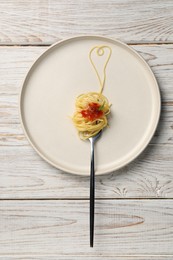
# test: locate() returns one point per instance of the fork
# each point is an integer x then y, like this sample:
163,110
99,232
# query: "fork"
93,140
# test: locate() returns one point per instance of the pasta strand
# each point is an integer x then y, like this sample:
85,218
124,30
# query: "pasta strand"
92,108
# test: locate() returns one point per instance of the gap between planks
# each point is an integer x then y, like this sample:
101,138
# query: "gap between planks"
51,43
14,256
83,199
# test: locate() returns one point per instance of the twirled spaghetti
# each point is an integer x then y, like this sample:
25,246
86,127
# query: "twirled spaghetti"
92,108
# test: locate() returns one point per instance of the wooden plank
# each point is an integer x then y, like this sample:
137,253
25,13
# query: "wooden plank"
122,228
44,22
15,62
23,174
159,57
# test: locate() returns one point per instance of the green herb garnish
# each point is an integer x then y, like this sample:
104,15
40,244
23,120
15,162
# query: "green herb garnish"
102,106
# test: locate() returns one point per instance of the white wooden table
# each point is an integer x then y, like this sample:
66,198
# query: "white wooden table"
43,211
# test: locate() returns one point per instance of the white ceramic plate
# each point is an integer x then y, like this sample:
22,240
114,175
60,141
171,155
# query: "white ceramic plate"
62,73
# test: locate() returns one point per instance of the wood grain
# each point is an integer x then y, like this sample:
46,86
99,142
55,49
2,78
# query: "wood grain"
25,175
122,228
44,22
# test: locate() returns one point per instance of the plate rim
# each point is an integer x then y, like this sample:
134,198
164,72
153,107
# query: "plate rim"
145,144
